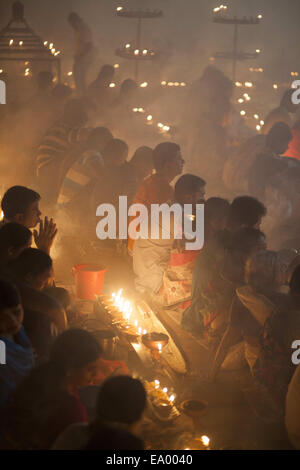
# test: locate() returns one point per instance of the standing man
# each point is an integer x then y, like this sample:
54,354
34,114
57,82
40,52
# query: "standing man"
83,50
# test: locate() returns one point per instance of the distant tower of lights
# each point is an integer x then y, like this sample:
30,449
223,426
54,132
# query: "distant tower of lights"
136,51
235,56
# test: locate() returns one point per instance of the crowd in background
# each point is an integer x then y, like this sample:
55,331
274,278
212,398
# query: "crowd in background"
242,288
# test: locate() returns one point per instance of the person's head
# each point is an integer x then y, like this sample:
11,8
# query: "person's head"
142,162
34,267
121,399
247,241
287,103
44,81
295,282
216,213
245,211
264,271
14,238
74,20
21,205
11,310
115,153
190,189
73,362
75,114
112,437
128,88
77,354
279,137
98,138
167,160
61,92
106,74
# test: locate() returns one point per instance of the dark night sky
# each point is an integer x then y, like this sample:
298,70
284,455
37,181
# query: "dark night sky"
186,26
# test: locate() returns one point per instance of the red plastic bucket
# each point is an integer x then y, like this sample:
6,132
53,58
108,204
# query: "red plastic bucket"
89,280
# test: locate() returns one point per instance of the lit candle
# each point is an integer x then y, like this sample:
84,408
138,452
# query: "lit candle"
205,441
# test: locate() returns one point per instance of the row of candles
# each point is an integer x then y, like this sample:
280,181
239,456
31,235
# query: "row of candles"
13,42
223,8
125,307
137,52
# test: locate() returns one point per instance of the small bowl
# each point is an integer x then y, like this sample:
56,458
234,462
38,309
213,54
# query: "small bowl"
193,408
152,340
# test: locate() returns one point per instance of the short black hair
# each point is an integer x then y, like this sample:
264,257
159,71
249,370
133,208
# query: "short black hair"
113,148
128,86
121,399
142,153
32,261
279,133
163,153
216,208
73,349
14,235
17,200
99,137
245,210
9,295
187,184
106,71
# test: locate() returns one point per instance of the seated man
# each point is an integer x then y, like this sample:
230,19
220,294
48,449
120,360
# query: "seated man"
212,293
151,256
168,163
19,359
33,272
21,205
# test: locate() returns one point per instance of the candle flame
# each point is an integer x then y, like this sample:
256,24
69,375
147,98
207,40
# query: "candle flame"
205,440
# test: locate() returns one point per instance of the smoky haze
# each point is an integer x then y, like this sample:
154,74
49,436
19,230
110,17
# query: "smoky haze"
186,31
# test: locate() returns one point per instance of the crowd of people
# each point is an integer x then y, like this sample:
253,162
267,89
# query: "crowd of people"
242,287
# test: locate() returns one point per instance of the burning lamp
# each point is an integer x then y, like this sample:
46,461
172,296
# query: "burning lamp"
155,342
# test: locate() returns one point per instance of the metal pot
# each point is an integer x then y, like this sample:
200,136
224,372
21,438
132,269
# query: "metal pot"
107,339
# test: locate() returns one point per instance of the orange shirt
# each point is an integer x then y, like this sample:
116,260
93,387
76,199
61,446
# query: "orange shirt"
153,190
